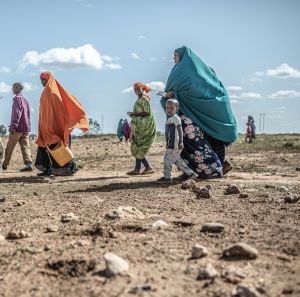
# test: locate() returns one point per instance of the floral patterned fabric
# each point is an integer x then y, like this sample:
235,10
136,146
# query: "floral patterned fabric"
198,153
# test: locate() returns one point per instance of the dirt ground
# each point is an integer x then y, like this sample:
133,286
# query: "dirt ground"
69,261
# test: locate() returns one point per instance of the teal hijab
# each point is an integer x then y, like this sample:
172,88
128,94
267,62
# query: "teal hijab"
120,129
202,96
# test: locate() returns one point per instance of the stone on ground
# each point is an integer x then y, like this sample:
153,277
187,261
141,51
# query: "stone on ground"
199,251
213,228
246,291
12,235
159,224
232,189
124,211
203,193
209,272
51,228
241,250
68,217
114,264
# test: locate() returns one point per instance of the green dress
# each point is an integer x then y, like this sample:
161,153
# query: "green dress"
143,129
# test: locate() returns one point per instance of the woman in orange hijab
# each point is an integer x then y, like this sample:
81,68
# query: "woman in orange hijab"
60,113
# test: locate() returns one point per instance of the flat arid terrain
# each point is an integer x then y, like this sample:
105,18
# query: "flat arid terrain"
56,231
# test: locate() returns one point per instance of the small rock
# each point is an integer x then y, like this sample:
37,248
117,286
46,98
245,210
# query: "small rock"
209,272
283,189
159,224
52,228
199,251
243,195
141,288
209,186
35,193
12,235
297,168
189,184
124,211
114,264
2,237
291,199
68,217
203,193
19,203
233,276
241,251
2,199
232,189
287,290
213,228
246,291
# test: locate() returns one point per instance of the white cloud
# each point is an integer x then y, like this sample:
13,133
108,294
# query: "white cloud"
234,88
29,87
284,94
154,85
153,59
250,95
254,79
283,71
5,88
64,58
135,56
4,69
113,66
141,36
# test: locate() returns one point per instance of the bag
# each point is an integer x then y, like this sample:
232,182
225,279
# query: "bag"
61,154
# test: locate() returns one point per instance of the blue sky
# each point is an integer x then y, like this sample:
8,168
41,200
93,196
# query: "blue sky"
98,49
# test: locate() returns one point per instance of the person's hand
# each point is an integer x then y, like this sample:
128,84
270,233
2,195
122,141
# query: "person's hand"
181,146
170,95
161,93
130,137
130,114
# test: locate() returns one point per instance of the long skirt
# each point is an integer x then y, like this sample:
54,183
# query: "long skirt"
45,162
198,152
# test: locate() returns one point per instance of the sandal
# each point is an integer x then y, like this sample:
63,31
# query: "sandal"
134,172
149,170
227,167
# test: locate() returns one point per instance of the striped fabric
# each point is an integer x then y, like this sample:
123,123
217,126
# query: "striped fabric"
20,116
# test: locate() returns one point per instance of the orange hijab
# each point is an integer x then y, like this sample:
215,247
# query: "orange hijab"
60,113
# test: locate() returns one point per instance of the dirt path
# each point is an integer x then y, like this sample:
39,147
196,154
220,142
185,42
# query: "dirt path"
69,261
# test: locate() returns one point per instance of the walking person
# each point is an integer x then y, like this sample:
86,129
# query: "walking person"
1,154
207,119
143,130
60,113
19,129
174,143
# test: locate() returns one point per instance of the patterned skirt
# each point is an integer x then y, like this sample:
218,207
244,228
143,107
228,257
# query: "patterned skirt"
198,152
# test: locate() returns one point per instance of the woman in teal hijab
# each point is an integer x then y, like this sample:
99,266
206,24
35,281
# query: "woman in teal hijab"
208,122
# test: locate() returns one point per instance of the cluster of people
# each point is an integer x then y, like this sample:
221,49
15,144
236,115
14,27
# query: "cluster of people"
199,123
250,133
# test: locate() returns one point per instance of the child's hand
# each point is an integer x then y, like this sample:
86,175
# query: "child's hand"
181,146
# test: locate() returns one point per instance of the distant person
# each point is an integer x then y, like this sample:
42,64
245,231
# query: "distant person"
19,129
143,130
174,143
249,134
252,125
1,154
207,119
120,130
60,113
126,130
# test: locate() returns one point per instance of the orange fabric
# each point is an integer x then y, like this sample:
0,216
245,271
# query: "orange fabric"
60,113
142,86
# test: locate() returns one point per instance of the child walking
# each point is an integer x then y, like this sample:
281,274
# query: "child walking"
174,143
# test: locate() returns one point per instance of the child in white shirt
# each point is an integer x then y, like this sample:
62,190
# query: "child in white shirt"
174,143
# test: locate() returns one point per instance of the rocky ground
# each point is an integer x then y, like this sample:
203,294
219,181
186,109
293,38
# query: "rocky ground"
102,233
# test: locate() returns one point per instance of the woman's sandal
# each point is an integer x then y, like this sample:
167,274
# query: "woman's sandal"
134,172
227,167
149,170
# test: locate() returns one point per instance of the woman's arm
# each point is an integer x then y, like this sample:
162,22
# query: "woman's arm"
138,114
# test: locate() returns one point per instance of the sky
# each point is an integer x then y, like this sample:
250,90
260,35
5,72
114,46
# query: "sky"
98,49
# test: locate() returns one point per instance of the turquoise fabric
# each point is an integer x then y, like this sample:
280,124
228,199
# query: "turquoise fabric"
202,96
120,129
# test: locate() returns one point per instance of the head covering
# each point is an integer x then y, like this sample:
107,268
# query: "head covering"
43,75
126,129
202,96
142,86
60,113
120,129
